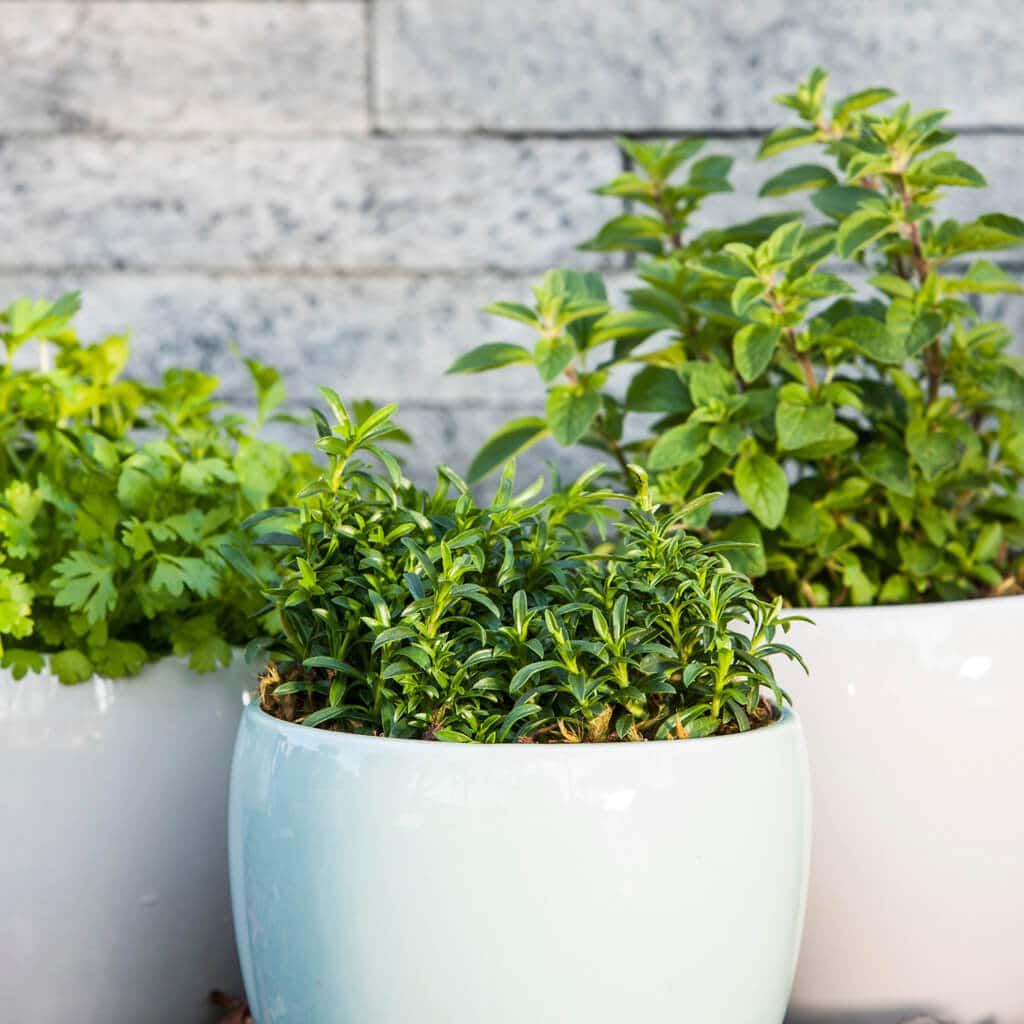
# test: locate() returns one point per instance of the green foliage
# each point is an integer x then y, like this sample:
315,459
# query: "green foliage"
115,500
825,367
426,615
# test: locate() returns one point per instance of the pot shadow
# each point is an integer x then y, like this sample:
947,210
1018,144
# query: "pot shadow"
906,1015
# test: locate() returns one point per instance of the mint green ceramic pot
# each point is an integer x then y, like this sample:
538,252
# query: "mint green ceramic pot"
380,881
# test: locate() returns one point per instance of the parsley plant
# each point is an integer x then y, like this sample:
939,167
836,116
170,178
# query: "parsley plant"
115,501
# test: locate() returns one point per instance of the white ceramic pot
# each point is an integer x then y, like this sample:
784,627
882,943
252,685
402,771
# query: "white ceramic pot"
383,881
914,725
114,901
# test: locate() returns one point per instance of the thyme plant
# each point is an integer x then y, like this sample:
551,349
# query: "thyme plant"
825,367
406,613
115,500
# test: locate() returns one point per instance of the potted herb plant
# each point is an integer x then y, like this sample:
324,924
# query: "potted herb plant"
830,371
463,794
115,499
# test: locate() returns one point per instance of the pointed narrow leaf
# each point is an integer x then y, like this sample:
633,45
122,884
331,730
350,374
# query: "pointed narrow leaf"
796,178
507,442
491,356
861,229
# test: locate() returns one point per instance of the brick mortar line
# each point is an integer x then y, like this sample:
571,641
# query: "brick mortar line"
358,273
446,135
314,273
168,3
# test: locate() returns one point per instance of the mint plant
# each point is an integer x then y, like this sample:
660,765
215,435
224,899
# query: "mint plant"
115,501
425,615
825,368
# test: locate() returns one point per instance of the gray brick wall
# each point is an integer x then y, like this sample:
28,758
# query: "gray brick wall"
340,185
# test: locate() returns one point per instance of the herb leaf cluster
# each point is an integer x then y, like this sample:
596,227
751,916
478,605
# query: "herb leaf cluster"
407,613
825,367
115,501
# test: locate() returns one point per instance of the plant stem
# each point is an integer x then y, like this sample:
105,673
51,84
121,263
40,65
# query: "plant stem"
806,366
616,449
934,369
933,358
665,212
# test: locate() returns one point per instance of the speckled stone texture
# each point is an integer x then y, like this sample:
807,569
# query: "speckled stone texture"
340,185
637,65
316,204
295,69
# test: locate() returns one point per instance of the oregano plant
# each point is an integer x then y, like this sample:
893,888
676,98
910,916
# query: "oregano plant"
416,614
826,368
116,498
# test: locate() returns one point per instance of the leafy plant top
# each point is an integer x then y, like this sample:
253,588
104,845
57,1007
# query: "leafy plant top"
425,615
826,367
115,500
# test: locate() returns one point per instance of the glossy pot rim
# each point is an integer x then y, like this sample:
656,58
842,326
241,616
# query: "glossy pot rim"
310,737
918,610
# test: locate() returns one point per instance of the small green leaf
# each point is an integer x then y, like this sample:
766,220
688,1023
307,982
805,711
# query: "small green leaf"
991,232
871,337
118,659
802,521
762,486
570,412
628,233
786,138
837,438
708,382
629,325
747,294
944,168
71,667
491,356
861,100
753,349
198,476
552,356
513,311
504,444
655,389
860,229
889,467
85,582
818,286
984,278
919,558
15,605
801,425
527,672
20,662
932,449
796,178
988,543
841,201
678,446
749,559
